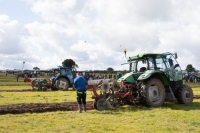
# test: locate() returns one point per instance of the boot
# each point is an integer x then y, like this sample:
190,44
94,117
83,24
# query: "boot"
80,108
84,107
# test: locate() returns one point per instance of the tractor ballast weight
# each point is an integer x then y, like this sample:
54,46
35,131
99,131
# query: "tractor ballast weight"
153,79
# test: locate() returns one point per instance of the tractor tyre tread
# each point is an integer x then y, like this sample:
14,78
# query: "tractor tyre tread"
181,96
146,99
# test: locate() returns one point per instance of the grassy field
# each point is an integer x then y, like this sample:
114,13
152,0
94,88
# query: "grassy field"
169,118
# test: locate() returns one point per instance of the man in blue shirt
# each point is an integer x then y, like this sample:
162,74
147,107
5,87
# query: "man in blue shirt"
80,85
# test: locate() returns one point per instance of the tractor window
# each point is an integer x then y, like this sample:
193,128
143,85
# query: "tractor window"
132,66
63,72
171,62
141,65
151,63
69,72
173,68
160,65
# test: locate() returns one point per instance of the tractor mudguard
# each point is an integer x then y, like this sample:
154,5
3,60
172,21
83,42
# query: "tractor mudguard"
149,73
127,77
146,74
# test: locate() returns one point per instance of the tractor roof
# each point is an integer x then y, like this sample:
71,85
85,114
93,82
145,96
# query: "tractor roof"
141,56
63,67
56,69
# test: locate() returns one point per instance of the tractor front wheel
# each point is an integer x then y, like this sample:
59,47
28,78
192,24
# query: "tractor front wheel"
154,93
185,95
62,84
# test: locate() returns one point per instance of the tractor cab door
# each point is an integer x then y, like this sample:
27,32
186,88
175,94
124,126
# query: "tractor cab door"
172,67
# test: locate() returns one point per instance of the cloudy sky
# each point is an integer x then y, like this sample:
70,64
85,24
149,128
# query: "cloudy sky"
94,33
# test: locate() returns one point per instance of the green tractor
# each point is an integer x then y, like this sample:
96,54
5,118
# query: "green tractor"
155,78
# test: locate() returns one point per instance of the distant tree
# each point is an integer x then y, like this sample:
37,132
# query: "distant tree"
70,63
110,69
36,68
190,68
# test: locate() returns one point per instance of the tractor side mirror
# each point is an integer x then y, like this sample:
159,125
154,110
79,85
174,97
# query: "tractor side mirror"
175,55
177,65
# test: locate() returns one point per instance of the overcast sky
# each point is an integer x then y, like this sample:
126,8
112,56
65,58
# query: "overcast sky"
94,33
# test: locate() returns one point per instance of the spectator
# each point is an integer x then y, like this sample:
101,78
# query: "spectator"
80,85
17,76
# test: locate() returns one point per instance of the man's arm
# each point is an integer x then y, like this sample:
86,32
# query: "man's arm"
75,83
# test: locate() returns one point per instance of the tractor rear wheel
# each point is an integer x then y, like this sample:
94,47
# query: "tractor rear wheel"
185,95
154,93
62,84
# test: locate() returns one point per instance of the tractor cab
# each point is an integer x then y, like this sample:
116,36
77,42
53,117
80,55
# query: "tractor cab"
146,63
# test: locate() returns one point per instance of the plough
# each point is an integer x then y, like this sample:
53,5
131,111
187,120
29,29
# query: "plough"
112,95
38,84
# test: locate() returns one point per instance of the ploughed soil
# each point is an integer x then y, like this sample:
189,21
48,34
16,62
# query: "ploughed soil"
44,107
40,107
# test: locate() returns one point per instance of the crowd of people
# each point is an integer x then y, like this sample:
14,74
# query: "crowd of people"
191,78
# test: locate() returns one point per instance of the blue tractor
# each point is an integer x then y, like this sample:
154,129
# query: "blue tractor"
63,78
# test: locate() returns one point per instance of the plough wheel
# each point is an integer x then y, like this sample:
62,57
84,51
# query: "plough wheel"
100,104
